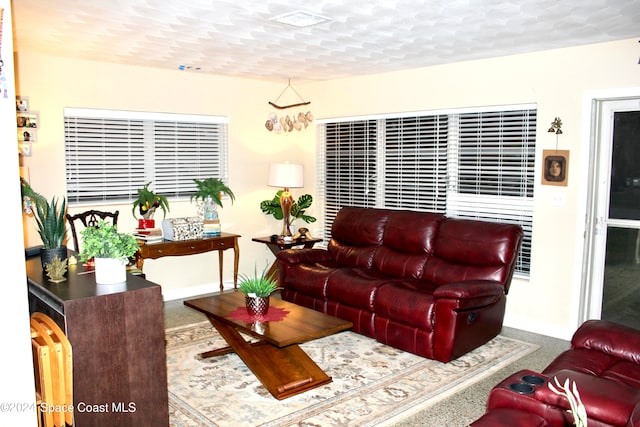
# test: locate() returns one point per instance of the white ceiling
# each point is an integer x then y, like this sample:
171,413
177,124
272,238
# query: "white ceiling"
239,38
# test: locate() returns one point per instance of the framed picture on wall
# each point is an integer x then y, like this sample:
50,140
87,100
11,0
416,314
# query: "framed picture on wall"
28,120
22,104
24,149
27,135
556,167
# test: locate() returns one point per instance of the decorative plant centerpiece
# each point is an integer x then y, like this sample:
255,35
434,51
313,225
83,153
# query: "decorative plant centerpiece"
110,250
210,192
257,290
212,188
146,205
50,219
298,208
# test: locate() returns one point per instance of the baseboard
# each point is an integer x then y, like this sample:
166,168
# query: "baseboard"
193,291
538,328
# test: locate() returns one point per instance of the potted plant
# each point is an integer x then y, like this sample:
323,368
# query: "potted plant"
257,290
298,208
50,219
146,205
210,192
110,250
212,188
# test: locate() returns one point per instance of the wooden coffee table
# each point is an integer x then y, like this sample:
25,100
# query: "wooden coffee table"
276,360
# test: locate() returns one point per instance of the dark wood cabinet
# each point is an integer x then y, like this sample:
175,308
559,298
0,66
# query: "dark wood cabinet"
118,345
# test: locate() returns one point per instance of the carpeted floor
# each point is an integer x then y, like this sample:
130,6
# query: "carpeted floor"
383,391
457,410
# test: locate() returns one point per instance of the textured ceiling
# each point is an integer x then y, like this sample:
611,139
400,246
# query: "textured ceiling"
239,38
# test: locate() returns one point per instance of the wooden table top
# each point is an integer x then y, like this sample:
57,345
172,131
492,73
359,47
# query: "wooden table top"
300,325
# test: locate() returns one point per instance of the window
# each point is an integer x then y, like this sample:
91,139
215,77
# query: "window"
465,164
110,154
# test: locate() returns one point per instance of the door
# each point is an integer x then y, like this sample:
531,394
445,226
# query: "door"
614,261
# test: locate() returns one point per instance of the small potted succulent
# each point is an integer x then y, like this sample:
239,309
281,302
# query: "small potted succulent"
50,218
257,290
110,251
146,205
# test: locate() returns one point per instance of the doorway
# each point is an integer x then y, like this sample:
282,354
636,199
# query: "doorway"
613,234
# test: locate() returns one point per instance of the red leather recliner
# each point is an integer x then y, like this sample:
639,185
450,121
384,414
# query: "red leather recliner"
604,362
421,282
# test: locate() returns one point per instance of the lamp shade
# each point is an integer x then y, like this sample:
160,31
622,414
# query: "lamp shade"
287,175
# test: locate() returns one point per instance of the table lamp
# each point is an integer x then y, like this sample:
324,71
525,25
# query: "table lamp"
286,175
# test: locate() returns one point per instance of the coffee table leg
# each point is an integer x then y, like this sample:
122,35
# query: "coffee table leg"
283,371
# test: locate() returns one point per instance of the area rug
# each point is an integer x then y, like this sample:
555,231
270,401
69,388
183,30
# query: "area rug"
373,384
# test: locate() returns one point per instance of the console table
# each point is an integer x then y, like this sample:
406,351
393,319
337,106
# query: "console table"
117,340
190,247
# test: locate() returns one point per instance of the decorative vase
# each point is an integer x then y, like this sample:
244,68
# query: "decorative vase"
257,306
110,271
47,255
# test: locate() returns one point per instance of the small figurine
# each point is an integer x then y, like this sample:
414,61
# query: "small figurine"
303,233
56,270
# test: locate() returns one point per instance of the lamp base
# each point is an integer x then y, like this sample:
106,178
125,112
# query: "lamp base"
286,201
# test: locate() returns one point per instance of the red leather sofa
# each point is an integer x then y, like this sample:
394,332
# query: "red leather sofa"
604,362
421,282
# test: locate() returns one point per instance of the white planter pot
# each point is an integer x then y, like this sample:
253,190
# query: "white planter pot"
110,271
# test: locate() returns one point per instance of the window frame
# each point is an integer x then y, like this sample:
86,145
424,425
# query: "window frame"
110,154
495,207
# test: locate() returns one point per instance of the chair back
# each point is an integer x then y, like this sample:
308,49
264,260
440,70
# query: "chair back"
88,219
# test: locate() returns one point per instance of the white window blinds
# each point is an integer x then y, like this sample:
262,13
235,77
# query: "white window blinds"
110,154
349,174
461,163
415,163
493,175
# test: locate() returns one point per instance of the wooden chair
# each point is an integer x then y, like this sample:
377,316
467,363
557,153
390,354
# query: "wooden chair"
53,361
89,219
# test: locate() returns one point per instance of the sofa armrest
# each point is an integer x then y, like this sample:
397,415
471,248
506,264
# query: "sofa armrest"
610,338
304,255
469,289
470,294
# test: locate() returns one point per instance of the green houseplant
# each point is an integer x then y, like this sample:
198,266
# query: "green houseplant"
50,218
298,208
148,201
257,289
212,188
110,250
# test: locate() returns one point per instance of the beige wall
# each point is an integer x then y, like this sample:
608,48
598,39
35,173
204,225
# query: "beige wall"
556,81
16,370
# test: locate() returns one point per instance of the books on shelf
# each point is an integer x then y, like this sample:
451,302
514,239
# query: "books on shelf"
149,231
148,235
211,227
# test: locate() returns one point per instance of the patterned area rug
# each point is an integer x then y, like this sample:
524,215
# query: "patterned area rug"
373,384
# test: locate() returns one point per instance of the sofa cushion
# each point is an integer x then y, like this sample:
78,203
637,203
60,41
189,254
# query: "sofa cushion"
468,249
311,279
407,243
598,364
412,232
359,227
356,234
355,287
408,302
351,256
605,401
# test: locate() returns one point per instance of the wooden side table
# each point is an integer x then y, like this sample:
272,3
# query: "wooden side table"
279,245
193,246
